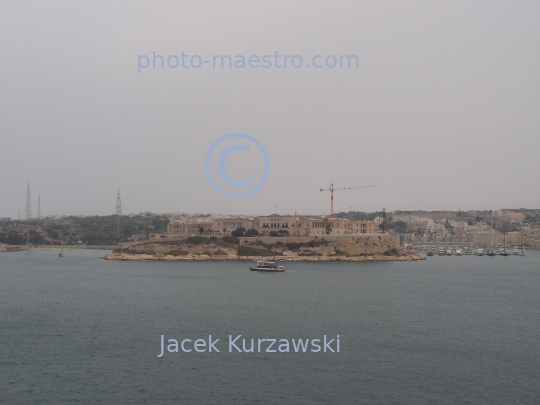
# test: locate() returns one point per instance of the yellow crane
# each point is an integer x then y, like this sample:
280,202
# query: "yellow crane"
332,189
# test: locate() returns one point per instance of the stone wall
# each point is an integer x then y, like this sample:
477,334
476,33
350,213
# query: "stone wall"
382,237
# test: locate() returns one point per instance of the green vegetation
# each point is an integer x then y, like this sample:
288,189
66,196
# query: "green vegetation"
93,230
255,251
398,226
296,246
251,232
238,232
532,217
12,238
359,216
232,240
196,240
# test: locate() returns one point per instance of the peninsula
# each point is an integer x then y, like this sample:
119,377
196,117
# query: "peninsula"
374,247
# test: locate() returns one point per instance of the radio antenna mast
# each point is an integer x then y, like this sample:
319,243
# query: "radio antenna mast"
118,214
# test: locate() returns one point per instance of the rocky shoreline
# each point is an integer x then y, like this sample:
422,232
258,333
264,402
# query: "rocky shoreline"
378,258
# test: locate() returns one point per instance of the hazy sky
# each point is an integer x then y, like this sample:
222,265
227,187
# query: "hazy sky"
443,110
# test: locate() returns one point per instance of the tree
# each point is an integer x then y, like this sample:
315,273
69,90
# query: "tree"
52,233
274,234
251,232
238,232
400,226
383,224
230,239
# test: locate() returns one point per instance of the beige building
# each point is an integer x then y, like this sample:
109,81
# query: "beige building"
483,238
312,226
288,225
277,223
361,226
323,226
514,216
514,237
227,225
189,228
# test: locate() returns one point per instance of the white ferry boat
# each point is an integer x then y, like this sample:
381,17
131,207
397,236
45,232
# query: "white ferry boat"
267,266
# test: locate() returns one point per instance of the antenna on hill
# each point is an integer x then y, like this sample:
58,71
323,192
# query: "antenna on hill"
28,211
118,214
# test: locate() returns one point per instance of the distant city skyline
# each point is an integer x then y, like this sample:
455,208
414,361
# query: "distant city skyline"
276,210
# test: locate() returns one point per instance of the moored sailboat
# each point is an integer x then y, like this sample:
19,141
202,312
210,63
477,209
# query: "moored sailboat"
491,252
522,247
504,252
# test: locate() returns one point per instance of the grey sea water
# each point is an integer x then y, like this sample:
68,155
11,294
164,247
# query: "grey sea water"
448,330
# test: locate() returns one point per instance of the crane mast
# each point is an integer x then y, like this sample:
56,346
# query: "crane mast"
332,189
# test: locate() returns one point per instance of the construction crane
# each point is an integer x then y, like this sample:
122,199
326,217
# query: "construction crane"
332,189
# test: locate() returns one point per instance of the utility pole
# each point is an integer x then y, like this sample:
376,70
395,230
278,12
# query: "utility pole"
118,214
39,207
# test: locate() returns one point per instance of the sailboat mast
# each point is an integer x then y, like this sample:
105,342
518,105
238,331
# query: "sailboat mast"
491,231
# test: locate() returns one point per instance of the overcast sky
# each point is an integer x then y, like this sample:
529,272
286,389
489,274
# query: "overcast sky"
443,110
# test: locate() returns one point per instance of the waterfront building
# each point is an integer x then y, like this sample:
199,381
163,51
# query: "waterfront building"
189,228
324,226
483,238
361,226
225,226
276,223
284,225
514,237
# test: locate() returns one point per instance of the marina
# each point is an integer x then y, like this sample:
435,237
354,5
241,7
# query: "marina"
430,250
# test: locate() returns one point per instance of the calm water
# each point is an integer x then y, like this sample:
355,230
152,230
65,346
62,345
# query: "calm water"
448,330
